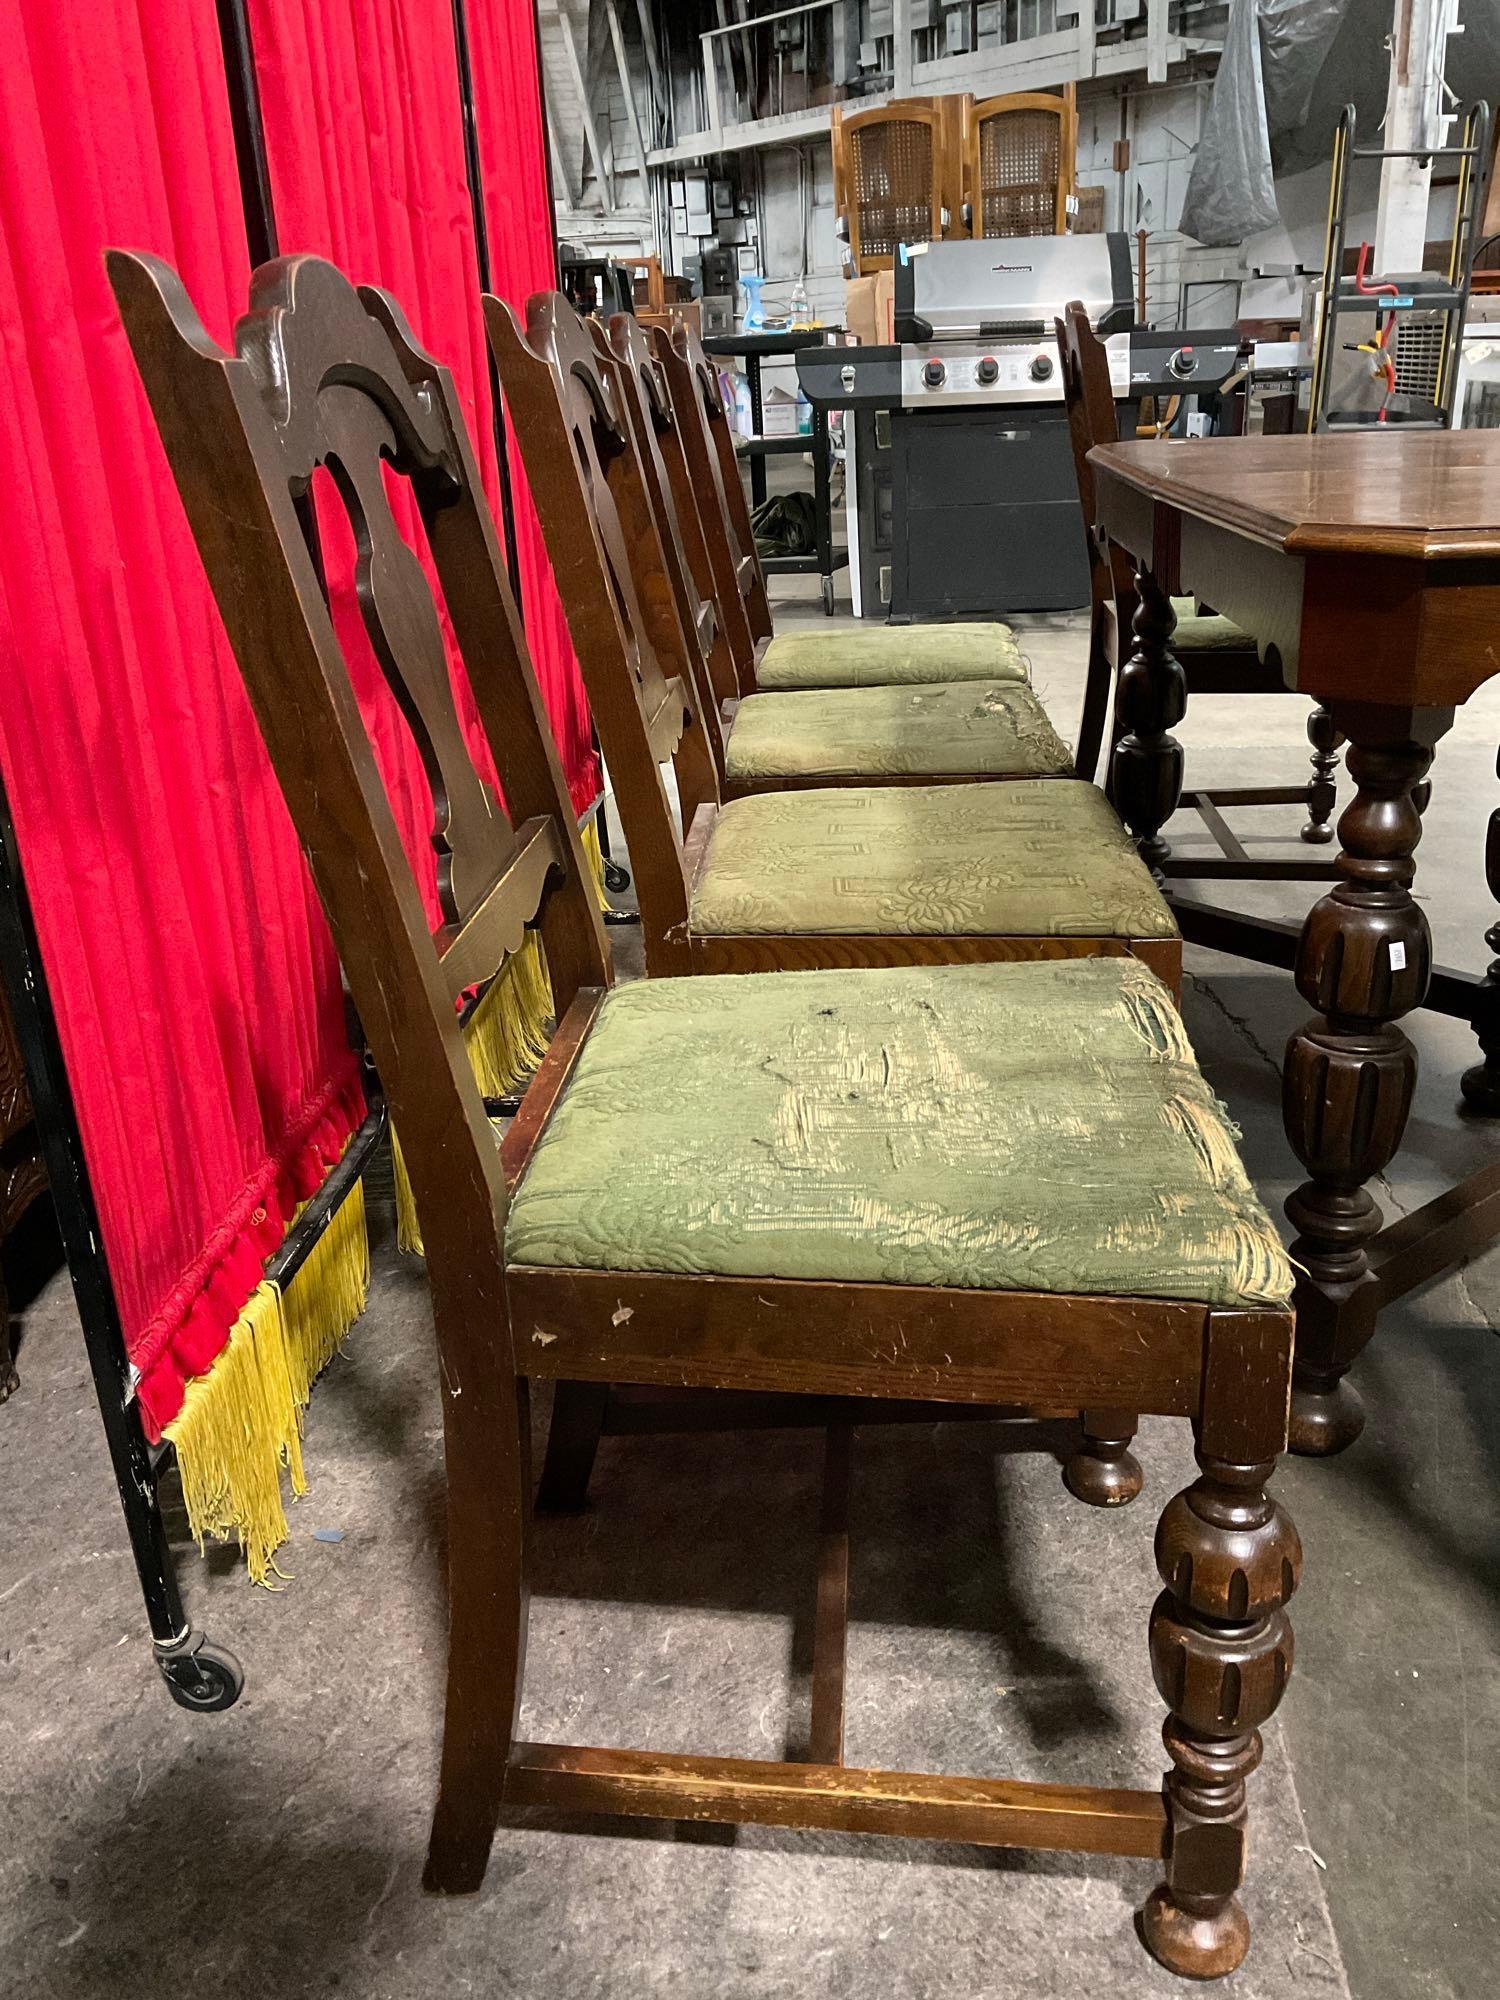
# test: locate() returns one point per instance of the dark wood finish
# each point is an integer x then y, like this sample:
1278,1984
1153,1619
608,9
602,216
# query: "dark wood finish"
315,379
1150,700
825,1741
739,1791
828,1339
321,376
1088,395
1371,569
1363,961
693,383
1104,1471
570,400
1299,533
671,548
1481,1084
678,540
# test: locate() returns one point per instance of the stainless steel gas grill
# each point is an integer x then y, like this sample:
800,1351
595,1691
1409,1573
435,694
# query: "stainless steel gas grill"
963,499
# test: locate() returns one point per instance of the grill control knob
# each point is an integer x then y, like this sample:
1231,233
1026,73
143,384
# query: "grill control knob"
1041,367
1183,363
987,370
934,374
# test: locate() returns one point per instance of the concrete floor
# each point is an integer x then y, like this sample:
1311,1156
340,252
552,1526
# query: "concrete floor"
275,1848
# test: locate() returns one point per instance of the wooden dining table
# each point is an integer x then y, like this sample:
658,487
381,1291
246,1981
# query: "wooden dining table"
1367,567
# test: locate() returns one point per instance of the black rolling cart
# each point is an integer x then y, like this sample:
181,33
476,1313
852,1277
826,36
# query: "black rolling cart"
198,1675
752,349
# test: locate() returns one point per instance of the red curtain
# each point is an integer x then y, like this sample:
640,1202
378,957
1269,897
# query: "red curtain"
195,982
364,134
522,254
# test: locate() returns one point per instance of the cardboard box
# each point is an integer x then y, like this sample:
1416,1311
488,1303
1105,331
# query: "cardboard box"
778,413
870,308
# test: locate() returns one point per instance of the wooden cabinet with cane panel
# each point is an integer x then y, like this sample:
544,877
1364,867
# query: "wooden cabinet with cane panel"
322,376
896,176
1020,156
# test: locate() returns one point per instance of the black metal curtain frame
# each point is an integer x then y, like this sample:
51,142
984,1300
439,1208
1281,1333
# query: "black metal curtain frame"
198,1674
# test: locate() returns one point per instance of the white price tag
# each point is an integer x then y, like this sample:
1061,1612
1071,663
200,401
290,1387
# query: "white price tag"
1398,957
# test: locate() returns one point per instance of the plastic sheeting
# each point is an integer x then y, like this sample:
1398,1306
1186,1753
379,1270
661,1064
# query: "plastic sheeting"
1273,54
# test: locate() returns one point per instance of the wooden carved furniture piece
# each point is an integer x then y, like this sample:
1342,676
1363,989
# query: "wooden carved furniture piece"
23,1174
857,875
1370,569
1020,162
322,376
1209,664
918,169
896,176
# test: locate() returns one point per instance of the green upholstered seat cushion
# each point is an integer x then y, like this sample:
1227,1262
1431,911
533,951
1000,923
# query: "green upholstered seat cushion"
1196,632
862,655
1032,857
971,727
1010,1127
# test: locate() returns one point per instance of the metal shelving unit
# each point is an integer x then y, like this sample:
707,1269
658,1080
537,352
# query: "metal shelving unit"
752,349
1438,302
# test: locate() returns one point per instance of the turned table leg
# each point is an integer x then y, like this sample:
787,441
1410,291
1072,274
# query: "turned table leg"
1363,961
1150,699
1322,793
1481,1084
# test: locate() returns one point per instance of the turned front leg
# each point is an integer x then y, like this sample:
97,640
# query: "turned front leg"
1150,699
1221,1652
1481,1084
1104,1471
1322,793
1364,960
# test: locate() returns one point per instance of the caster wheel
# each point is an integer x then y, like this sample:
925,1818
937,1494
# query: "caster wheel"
828,596
616,878
200,1676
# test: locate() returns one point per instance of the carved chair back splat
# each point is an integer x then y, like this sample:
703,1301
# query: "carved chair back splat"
689,637
693,384
585,475
727,649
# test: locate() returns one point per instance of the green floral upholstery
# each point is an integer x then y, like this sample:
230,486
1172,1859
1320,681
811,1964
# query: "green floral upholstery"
1197,633
971,727
866,655
1035,857
1016,1127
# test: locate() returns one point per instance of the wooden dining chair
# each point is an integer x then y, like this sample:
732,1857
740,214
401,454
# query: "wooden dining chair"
861,653
1216,657
982,1183
946,732
836,876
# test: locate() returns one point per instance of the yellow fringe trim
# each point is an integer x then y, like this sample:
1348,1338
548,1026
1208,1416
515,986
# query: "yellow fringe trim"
588,833
241,1421
506,1034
